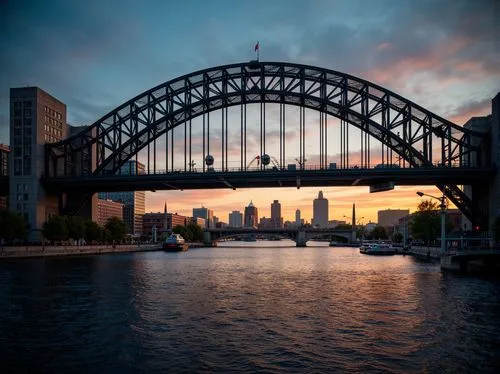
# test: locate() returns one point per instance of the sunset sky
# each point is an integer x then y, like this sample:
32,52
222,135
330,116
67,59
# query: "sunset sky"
94,55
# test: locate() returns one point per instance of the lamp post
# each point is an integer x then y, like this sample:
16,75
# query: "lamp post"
442,206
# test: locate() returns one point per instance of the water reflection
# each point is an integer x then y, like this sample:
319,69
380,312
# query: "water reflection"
245,309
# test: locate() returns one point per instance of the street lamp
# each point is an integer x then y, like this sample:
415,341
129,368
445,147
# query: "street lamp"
442,206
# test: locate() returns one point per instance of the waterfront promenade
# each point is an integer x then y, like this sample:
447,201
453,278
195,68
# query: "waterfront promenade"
73,250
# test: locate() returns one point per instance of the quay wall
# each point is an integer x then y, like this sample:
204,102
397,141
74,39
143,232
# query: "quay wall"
73,250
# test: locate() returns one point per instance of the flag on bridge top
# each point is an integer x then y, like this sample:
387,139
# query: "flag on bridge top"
256,47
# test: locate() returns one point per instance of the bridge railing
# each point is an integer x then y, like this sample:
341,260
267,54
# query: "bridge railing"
290,168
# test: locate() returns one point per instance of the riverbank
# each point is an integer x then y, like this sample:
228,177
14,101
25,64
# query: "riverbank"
73,250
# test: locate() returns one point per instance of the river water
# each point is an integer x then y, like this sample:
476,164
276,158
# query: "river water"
246,309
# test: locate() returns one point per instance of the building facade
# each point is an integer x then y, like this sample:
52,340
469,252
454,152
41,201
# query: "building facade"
320,211
276,219
198,221
298,221
36,118
4,160
134,202
107,209
390,217
206,214
251,216
235,219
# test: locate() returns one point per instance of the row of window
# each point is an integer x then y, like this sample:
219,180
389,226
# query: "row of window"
20,104
18,113
51,139
22,166
52,130
52,112
53,122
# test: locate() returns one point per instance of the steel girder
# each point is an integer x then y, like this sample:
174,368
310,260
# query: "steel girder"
401,125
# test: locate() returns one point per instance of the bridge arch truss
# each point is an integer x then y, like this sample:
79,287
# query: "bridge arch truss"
400,125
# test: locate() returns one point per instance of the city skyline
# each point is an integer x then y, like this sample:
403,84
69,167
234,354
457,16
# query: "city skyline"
93,70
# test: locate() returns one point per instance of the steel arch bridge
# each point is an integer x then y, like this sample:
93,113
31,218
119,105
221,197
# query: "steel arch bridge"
418,138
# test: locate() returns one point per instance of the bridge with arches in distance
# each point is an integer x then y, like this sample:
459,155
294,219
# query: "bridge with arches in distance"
204,129
299,235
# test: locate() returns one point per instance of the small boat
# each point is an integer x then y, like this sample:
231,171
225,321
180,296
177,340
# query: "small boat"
175,243
381,249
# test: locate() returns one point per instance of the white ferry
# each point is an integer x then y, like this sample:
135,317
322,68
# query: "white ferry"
175,243
373,248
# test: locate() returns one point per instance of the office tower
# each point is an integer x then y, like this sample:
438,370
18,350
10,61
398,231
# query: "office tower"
251,215
276,220
206,214
107,209
320,211
134,201
36,118
235,219
298,221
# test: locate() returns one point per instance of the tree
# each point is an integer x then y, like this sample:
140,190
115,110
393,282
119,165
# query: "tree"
397,237
117,229
496,229
56,229
378,233
93,231
183,231
426,222
196,232
343,226
76,227
12,226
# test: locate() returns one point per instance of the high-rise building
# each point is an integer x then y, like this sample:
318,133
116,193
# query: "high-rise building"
134,201
235,219
36,118
298,221
320,211
251,215
206,214
276,219
390,217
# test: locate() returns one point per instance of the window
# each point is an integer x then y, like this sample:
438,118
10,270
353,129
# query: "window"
19,197
18,112
19,207
26,196
27,112
27,151
27,104
19,187
18,105
17,140
27,122
17,132
18,152
18,123
25,187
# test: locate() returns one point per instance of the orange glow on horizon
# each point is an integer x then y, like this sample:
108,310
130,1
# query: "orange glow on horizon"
340,200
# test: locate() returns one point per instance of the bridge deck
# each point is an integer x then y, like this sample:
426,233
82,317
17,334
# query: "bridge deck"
272,178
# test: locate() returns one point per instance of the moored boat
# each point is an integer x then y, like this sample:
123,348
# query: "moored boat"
381,249
175,243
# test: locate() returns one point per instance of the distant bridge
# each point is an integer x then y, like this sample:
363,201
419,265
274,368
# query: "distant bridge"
299,236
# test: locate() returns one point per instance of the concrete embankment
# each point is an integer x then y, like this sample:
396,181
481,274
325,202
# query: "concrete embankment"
428,253
73,250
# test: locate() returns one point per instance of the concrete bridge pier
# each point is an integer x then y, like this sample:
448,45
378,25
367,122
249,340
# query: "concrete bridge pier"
208,240
301,239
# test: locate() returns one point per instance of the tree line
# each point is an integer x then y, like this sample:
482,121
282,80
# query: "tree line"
13,227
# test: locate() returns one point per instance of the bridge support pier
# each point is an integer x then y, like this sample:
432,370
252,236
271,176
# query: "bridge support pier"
208,241
301,239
